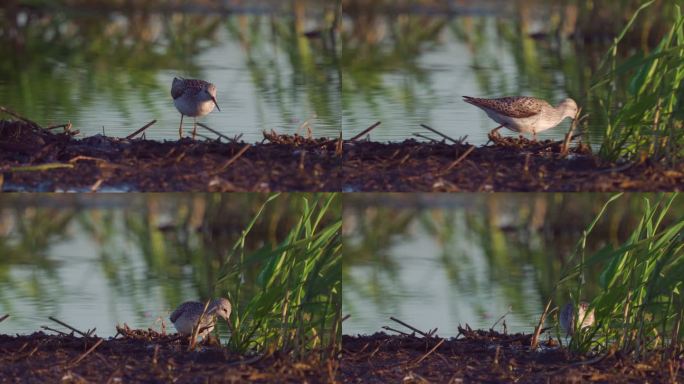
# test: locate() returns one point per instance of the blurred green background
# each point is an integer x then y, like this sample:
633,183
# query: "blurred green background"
99,260
440,260
107,65
408,62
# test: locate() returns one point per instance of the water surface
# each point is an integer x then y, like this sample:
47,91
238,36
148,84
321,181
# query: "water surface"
440,261
110,72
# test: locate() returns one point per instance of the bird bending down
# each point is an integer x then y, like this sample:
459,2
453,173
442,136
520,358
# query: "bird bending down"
186,316
524,114
568,322
194,98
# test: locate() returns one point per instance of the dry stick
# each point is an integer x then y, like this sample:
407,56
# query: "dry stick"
568,136
410,327
134,134
425,137
460,159
343,319
388,328
196,327
372,127
68,326
537,331
86,353
217,133
53,330
233,159
4,317
441,134
20,117
429,352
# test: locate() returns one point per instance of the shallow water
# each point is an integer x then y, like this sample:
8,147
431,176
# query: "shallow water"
111,72
415,68
440,261
97,261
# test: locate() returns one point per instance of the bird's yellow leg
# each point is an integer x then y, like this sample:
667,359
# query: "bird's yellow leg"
194,128
180,128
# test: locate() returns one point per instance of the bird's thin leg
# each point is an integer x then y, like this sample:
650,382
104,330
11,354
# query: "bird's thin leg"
493,131
534,136
194,127
180,128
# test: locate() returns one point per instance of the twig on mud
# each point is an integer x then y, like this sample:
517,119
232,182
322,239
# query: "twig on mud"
67,127
40,167
460,159
45,327
4,317
251,360
233,159
441,134
20,117
500,318
196,328
86,353
136,133
425,137
538,329
219,134
411,327
388,328
68,326
429,352
565,148
365,131
97,185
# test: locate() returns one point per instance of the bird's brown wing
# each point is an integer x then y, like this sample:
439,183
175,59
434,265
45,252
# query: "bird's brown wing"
179,311
177,88
518,106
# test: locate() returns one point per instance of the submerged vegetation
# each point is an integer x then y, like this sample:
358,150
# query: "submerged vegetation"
639,308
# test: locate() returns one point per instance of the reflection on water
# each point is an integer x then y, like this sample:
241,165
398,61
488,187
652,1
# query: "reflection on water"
412,68
443,260
95,261
274,67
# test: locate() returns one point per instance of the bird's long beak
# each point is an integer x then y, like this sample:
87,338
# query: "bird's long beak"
215,103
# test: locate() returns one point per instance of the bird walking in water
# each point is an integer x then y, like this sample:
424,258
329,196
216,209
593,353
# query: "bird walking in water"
188,314
568,321
524,114
194,98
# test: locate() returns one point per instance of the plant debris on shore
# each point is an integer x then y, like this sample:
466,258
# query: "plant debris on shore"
510,164
139,356
489,356
35,159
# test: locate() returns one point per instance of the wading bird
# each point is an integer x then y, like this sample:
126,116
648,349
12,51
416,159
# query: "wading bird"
193,98
524,114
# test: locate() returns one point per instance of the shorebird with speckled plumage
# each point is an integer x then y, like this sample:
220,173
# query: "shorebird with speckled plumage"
193,98
524,114
567,317
188,314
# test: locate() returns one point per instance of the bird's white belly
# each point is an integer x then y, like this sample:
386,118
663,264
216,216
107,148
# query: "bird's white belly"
194,108
184,324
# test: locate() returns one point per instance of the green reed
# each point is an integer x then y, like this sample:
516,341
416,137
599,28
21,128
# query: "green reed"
642,98
295,306
639,308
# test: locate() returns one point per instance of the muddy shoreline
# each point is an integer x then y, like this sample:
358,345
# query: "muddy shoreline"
508,165
145,357
34,159
489,357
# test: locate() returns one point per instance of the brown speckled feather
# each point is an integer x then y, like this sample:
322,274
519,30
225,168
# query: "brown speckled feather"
180,86
518,107
182,308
